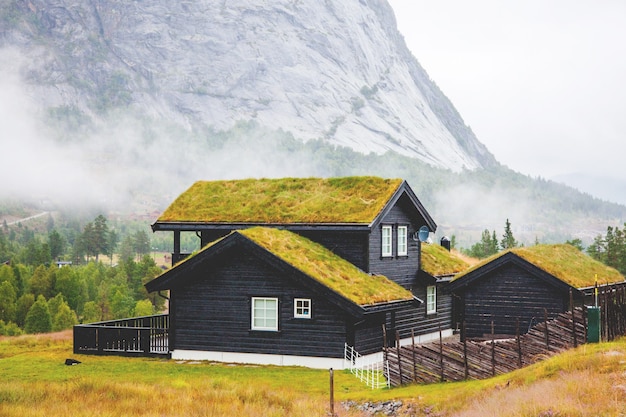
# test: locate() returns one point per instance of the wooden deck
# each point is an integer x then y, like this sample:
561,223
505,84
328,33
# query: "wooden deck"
139,336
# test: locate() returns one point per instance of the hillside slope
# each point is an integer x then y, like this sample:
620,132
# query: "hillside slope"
334,70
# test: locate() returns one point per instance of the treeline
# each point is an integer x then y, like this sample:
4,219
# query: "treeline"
489,243
52,298
610,249
52,277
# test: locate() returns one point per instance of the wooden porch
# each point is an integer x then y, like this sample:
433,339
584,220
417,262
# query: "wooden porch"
138,336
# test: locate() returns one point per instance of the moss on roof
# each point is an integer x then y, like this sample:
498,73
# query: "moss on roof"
285,200
326,267
564,262
437,260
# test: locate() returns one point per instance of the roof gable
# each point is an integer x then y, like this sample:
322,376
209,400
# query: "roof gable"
307,257
563,262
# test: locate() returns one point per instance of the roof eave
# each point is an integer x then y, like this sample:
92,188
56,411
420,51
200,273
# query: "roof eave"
390,305
199,226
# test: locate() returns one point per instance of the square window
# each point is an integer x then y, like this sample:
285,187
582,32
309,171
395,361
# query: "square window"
402,241
386,241
302,308
264,313
431,299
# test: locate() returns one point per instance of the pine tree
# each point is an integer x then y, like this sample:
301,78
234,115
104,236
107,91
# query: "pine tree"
38,319
65,318
91,312
508,241
8,300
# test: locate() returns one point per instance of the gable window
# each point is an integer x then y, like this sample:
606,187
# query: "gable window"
264,313
386,241
302,308
402,241
431,299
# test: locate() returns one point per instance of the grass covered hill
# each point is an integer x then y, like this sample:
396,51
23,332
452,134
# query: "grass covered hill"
584,382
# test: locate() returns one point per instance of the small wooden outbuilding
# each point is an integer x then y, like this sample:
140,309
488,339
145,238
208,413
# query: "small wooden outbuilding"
523,285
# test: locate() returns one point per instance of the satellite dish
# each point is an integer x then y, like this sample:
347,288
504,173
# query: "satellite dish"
423,234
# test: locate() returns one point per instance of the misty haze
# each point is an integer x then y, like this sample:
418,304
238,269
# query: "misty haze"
125,108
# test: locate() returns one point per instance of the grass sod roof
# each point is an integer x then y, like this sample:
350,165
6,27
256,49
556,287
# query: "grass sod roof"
327,268
437,260
563,261
285,200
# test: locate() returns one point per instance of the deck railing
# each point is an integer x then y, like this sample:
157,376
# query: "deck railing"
138,336
372,371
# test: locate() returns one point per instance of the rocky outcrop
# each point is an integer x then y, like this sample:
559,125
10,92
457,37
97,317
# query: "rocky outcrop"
332,69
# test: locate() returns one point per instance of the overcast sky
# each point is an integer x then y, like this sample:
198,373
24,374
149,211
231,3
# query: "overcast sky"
542,83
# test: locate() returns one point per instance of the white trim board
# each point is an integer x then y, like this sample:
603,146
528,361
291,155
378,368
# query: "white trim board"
259,359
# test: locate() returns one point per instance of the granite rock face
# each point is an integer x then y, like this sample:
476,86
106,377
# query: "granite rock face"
330,69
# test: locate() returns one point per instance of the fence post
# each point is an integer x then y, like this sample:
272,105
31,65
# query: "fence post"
413,353
385,352
571,303
441,353
332,393
399,358
493,350
545,320
465,350
519,346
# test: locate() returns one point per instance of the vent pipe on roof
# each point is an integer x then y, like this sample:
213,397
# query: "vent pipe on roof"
445,242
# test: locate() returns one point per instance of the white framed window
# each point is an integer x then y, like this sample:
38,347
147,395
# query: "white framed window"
403,248
386,241
431,299
264,313
302,308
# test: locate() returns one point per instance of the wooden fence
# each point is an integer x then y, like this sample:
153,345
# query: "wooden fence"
612,301
139,336
460,360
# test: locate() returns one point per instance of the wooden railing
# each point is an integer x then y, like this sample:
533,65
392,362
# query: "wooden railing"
139,336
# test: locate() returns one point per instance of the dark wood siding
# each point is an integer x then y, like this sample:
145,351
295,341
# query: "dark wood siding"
350,245
213,312
416,320
369,335
505,295
401,269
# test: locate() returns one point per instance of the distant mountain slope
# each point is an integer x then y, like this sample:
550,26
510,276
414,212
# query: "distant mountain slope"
333,70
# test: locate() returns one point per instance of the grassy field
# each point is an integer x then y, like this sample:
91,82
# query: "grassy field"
588,381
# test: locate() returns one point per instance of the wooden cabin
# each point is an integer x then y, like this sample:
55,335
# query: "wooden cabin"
265,295
523,285
368,222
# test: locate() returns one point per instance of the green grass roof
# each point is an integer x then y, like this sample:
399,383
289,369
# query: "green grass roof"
565,262
326,267
281,201
437,260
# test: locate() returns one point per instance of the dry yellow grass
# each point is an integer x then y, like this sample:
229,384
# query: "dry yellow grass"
35,382
588,381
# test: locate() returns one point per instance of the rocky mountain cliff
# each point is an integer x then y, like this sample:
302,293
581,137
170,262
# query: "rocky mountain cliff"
334,70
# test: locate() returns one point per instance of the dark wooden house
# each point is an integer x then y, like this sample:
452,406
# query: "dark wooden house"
522,285
264,295
370,222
